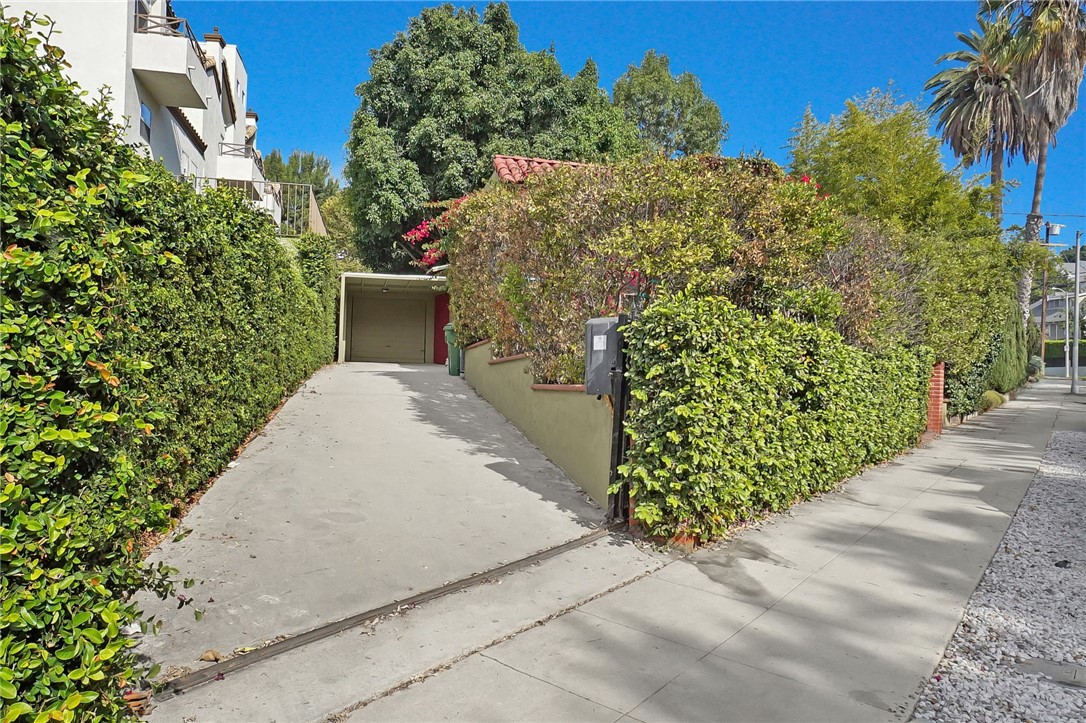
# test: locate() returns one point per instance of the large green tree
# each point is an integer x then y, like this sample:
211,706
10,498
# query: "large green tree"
302,167
671,112
443,97
877,160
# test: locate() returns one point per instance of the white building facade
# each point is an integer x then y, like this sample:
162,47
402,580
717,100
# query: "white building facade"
1060,314
183,101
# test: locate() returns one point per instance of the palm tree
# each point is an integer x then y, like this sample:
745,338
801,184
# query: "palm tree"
1049,72
978,102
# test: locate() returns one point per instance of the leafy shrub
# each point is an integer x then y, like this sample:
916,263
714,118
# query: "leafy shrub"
1033,337
1035,366
231,325
1056,355
1009,367
964,387
990,400
530,264
134,312
734,413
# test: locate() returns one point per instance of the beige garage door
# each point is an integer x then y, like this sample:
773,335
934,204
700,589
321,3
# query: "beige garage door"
388,330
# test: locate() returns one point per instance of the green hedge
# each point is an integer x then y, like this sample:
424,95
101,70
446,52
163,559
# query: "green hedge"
734,414
146,330
231,325
1054,353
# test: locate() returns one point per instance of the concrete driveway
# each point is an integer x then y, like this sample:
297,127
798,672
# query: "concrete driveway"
374,482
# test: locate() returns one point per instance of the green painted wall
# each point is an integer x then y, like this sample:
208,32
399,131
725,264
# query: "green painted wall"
571,428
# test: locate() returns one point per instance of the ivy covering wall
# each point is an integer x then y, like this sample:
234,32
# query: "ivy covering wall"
146,330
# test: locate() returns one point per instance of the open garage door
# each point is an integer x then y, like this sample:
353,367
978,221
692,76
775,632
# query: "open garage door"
392,318
389,329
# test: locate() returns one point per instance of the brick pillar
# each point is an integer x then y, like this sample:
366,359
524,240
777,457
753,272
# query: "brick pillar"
935,399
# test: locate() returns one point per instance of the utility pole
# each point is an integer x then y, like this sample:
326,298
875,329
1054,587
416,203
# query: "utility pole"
1078,313
1051,229
1044,296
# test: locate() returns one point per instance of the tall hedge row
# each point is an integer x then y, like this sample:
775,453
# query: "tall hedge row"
145,331
734,413
231,323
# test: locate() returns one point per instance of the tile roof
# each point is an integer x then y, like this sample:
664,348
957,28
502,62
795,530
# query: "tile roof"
514,169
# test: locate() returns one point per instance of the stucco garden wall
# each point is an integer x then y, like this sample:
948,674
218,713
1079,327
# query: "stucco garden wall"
572,428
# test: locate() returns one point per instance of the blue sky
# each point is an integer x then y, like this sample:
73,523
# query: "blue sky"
762,62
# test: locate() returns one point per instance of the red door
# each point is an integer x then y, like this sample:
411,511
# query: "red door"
441,318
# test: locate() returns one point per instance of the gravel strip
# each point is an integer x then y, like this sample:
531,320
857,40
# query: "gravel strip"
1030,605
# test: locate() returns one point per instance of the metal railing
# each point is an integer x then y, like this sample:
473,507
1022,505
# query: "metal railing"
293,206
242,150
171,26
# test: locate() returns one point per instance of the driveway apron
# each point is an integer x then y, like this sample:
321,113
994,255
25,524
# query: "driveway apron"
373,483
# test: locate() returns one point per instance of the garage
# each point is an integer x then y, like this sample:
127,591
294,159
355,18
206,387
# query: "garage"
394,318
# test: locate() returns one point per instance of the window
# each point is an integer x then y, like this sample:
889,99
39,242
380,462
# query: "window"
145,123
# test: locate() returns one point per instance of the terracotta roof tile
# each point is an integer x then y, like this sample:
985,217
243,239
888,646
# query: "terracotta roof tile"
514,169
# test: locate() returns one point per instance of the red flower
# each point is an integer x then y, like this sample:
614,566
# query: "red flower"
806,179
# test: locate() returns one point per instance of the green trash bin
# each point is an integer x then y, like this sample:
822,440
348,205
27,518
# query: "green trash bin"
454,351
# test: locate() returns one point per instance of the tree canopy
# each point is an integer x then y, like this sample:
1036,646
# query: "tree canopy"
978,103
878,160
672,113
302,167
443,97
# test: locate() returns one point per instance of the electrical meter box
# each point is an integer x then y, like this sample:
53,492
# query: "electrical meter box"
602,348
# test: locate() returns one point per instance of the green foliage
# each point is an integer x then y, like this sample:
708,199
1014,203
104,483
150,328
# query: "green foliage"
877,160
1035,366
672,113
734,413
445,96
1056,355
529,265
990,400
232,326
71,406
1002,365
341,231
386,190
303,167
135,316
1033,338
1009,368
978,103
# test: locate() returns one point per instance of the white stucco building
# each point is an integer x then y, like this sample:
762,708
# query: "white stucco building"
1060,315
181,99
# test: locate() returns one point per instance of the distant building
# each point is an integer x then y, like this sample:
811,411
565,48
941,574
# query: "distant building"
1060,316
181,100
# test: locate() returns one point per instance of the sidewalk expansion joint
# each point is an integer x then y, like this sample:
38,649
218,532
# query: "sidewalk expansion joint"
218,670
344,713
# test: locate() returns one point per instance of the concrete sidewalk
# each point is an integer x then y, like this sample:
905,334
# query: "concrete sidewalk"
838,611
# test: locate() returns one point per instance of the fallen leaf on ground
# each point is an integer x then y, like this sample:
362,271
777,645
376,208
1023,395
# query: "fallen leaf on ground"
211,656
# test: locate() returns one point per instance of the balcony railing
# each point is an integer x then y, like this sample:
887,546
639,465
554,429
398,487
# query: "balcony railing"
293,206
173,27
242,150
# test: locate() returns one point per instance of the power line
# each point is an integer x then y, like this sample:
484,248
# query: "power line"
1056,215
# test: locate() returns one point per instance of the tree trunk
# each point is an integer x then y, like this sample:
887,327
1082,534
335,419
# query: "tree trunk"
1039,182
1033,230
997,181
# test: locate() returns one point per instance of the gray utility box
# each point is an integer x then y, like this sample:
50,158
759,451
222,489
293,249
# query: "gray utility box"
602,348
